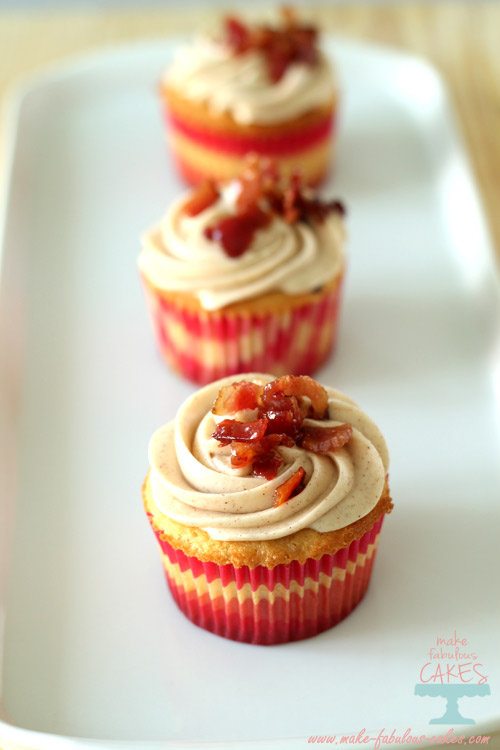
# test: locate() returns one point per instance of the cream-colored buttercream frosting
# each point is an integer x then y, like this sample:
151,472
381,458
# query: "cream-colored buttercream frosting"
193,482
207,71
295,258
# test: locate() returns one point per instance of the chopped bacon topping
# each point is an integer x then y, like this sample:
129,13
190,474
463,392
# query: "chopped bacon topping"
236,397
258,179
288,489
267,466
280,47
262,196
261,454
235,233
282,406
238,36
244,453
203,197
282,413
298,207
232,429
325,439
300,386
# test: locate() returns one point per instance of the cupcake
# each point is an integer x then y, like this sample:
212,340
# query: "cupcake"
261,89
267,498
245,276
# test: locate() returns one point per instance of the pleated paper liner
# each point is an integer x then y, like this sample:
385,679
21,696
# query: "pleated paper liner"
206,146
270,606
205,345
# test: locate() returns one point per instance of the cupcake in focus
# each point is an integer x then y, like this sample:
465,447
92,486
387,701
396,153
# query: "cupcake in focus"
264,89
245,276
267,499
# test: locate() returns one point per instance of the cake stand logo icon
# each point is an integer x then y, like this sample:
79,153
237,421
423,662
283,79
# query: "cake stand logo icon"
452,671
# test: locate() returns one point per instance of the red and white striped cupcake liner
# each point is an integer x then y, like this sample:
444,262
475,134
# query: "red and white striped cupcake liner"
269,606
207,345
202,152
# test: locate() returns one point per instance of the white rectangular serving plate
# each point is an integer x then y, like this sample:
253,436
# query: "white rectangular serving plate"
95,653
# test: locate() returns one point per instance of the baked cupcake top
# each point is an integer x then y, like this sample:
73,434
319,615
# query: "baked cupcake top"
249,237
251,458
259,74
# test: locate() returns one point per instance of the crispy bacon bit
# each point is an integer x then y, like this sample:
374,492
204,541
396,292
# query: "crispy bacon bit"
262,196
300,386
282,413
280,47
299,207
282,406
238,36
267,465
259,179
203,197
235,233
236,397
231,429
294,203
289,488
325,439
243,454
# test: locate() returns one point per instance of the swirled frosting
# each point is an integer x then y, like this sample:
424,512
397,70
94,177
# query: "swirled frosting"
207,71
291,258
193,482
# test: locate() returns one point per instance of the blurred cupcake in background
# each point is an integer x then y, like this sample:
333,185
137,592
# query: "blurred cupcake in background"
246,275
264,89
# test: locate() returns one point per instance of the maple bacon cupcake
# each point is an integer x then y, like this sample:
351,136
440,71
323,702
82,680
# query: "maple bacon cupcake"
245,276
255,88
267,499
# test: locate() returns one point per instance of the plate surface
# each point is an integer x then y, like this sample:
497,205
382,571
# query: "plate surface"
92,645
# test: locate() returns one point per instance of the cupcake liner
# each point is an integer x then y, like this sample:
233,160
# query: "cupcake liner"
269,606
204,149
207,345
282,144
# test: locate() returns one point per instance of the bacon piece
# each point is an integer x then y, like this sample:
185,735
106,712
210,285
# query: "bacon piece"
231,429
277,61
267,465
286,490
282,413
300,386
261,454
298,207
237,396
318,210
293,200
203,197
243,454
235,233
325,439
238,36
305,38
259,177
285,440
280,47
